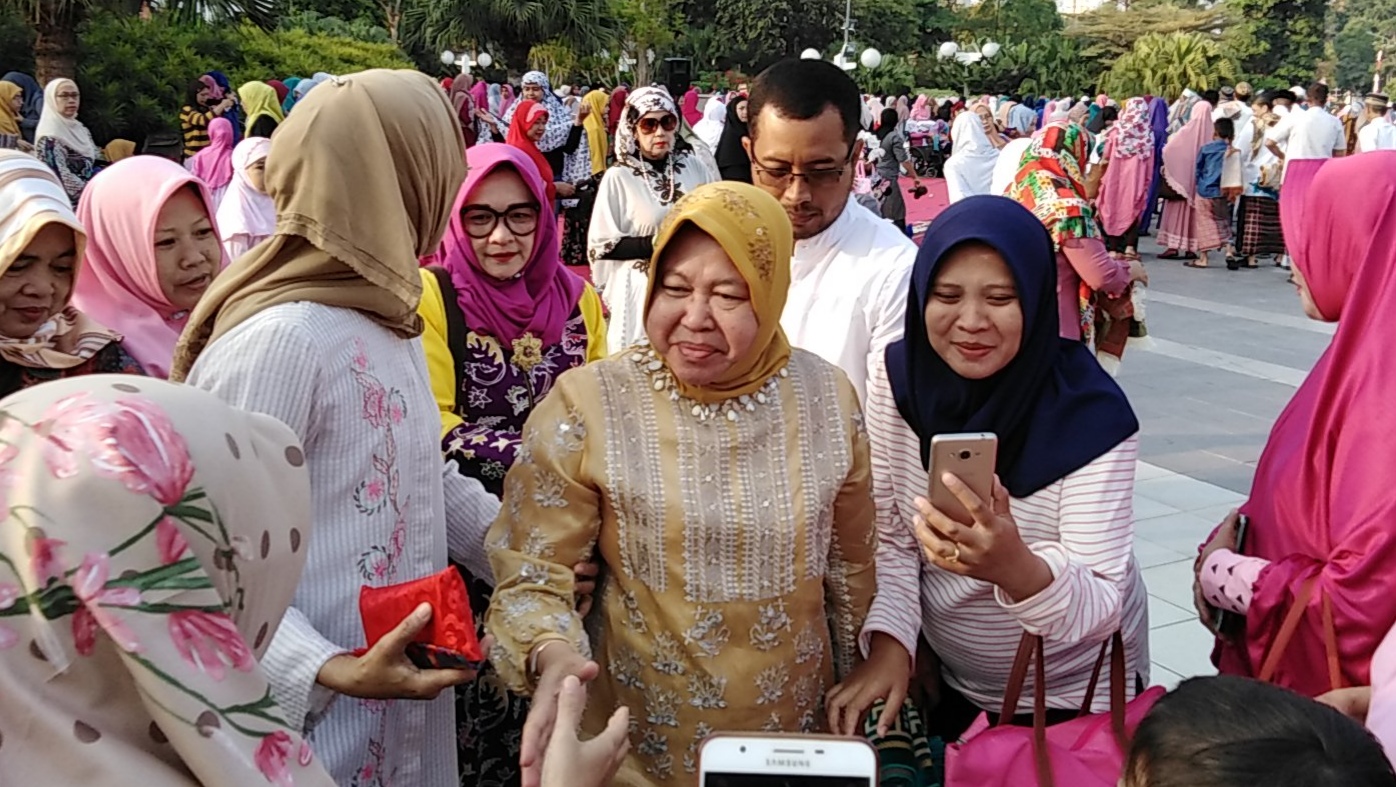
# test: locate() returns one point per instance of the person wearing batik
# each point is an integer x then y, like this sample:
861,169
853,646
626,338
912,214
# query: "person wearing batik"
982,352
1128,162
214,163
153,250
63,142
722,480
503,318
261,107
247,215
1189,226
318,327
42,337
654,169
151,544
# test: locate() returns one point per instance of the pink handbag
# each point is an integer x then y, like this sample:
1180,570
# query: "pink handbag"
1088,751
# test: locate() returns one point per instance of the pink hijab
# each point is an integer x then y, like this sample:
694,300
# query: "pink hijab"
214,163
690,107
1323,504
1180,154
542,299
1125,188
119,285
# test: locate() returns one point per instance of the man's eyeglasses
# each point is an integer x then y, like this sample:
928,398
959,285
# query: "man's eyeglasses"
651,125
780,178
479,220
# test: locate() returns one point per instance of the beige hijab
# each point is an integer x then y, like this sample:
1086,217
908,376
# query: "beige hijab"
363,175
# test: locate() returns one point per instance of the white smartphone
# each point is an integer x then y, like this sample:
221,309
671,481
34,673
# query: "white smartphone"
971,457
778,760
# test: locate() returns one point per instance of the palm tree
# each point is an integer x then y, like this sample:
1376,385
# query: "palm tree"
1163,65
56,23
510,27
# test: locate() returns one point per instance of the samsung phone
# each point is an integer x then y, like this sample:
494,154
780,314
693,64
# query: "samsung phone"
970,456
777,760
1229,624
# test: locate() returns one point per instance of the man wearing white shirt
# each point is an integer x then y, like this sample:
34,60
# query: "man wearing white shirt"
1310,133
1379,133
851,269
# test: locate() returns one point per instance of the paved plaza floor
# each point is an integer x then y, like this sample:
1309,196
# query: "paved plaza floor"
1227,351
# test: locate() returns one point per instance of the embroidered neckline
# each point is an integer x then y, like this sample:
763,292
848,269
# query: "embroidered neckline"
644,356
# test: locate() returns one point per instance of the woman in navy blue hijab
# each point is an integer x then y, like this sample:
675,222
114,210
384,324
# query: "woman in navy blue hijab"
1050,551
1158,119
33,103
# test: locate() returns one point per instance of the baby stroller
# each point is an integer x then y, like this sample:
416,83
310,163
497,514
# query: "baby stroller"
927,155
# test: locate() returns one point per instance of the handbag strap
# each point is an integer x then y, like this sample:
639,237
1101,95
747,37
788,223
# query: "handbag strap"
1291,624
455,323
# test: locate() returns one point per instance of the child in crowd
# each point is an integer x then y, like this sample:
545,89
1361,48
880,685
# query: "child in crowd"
1212,159
1226,731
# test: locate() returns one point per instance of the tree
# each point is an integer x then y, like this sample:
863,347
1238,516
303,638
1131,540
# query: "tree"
1278,38
509,28
1356,53
646,26
1163,65
1014,20
765,31
56,22
1108,32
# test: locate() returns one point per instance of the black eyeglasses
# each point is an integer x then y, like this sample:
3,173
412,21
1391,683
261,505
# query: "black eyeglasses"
480,220
776,178
650,125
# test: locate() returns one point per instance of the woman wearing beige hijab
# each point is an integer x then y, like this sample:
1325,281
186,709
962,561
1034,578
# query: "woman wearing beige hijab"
318,326
152,540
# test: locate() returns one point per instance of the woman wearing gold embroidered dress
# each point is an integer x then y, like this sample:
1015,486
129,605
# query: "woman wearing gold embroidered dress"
722,479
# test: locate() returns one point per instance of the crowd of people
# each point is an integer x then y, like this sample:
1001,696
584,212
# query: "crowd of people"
657,384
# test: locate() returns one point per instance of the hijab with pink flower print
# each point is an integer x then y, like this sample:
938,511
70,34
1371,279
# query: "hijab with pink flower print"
154,539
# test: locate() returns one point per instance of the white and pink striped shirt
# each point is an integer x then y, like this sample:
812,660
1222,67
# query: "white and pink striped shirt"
1082,526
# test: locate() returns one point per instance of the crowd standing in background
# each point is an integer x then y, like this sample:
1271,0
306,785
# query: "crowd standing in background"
657,375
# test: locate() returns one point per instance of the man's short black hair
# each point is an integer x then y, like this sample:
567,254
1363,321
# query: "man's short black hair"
1317,94
1224,128
804,89
1211,96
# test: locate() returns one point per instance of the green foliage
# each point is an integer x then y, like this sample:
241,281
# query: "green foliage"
1014,20
134,74
895,76
16,45
360,28
1163,65
1052,66
1356,51
1279,38
1108,32
760,33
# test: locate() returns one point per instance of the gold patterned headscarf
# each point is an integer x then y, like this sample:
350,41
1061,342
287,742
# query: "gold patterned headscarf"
363,175
755,232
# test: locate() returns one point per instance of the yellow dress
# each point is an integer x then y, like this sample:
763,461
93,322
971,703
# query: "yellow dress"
737,541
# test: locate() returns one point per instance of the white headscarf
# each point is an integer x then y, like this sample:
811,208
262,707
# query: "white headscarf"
709,129
69,131
245,210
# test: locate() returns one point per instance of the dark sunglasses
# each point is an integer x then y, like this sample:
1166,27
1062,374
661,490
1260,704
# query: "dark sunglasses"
650,125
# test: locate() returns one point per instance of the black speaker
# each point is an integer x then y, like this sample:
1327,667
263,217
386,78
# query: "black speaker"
677,75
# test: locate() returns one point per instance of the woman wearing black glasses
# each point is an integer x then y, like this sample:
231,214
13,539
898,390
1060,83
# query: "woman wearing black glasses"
503,318
654,168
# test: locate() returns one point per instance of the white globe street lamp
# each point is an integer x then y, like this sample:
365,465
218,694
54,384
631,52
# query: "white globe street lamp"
448,57
871,58
810,54
484,60
948,50
990,49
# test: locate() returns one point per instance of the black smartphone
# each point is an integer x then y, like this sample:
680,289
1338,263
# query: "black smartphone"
425,656
1229,624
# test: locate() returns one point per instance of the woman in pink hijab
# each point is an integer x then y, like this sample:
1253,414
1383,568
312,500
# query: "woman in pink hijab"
213,164
1188,226
1321,545
691,113
152,251
1129,169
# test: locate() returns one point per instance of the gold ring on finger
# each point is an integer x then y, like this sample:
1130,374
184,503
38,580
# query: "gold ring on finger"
955,557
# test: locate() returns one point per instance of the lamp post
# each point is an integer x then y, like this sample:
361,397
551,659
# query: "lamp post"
967,57
481,59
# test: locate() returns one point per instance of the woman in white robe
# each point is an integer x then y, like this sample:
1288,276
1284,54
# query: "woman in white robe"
970,168
709,129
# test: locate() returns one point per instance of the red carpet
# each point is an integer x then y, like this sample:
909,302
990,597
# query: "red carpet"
920,212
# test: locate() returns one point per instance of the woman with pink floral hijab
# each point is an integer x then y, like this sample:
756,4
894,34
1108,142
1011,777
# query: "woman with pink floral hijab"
152,540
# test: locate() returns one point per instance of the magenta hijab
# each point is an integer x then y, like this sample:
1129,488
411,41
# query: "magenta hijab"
480,92
215,91
538,301
1180,154
1322,504
119,284
214,163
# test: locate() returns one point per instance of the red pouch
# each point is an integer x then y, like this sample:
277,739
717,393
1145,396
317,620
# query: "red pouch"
448,641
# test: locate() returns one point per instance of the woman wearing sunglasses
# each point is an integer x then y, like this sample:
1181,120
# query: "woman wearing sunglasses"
654,168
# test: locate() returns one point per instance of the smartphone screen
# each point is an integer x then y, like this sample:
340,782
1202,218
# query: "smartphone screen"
782,780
